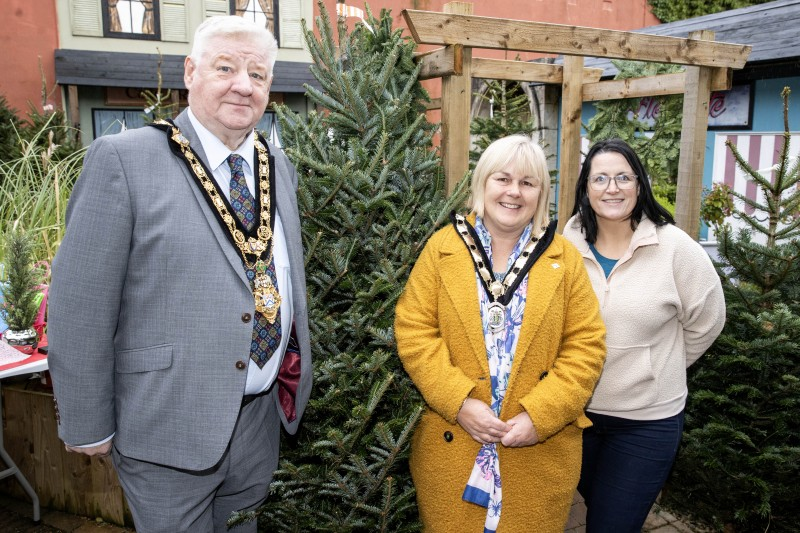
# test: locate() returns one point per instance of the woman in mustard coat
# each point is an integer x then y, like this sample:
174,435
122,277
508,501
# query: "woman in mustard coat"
499,329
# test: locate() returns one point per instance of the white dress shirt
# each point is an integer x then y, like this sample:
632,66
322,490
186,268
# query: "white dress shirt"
258,379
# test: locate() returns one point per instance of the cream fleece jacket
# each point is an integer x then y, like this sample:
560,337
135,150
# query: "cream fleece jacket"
663,306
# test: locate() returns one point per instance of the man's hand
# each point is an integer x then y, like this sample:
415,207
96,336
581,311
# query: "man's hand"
522,432
102,450
480,422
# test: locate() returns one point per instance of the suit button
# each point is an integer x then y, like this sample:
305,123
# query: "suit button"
246,318
448,437
241,365
543,375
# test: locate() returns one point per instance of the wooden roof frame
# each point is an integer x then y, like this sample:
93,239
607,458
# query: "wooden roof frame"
708,63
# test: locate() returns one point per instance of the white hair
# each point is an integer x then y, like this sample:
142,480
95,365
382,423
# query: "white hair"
233,26
527,158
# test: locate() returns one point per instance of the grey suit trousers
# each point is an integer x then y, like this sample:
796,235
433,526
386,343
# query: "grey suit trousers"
169,500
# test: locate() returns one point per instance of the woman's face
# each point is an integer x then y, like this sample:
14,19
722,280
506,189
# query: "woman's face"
510,201
611,204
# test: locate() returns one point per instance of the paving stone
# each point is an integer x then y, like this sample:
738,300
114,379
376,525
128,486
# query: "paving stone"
654,520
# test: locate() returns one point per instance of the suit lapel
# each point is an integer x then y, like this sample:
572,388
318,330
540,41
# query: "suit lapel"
235,260
458,279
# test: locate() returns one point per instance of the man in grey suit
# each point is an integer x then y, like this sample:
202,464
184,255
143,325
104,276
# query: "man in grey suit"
178,329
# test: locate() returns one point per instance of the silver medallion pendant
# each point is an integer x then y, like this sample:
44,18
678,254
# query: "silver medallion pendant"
497,317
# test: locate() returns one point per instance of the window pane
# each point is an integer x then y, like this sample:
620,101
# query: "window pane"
269,127
260,11
131,16
110,121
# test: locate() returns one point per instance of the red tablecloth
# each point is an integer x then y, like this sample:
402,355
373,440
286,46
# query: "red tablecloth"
34,357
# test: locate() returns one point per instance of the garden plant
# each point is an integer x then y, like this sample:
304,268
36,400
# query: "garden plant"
739,463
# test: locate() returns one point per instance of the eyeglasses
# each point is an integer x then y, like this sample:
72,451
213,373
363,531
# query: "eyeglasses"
624,181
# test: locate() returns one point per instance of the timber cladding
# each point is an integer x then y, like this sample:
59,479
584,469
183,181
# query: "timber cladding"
67,482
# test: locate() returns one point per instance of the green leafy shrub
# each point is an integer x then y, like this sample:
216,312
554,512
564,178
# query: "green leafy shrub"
670,10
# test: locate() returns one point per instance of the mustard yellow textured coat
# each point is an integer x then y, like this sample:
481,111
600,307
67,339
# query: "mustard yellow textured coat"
559,357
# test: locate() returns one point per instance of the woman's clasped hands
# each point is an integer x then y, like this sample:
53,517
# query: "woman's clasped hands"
485,427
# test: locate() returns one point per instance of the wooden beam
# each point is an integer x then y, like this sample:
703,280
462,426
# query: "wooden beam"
441,62
693,145
658,85
500,69
570,153
456,100
435,103
429,27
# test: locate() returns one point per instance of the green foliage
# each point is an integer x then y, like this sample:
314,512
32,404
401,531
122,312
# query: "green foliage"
371,193
511,114
35,187
19,292
10,126
717,205
658,149
50,131
739,465
159,103
670,10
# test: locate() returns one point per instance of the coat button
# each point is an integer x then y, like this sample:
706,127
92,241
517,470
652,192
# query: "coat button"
543,375
448,436
246,318
241,365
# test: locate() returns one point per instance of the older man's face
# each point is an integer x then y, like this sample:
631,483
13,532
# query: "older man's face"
229,87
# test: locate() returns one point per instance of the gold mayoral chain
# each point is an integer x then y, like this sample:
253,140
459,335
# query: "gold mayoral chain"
267,298
498,291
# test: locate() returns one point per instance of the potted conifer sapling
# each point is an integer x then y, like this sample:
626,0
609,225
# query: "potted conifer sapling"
20,290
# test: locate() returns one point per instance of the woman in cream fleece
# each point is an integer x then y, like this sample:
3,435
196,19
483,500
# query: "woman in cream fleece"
663,306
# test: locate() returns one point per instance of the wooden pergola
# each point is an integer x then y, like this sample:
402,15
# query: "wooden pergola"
708,63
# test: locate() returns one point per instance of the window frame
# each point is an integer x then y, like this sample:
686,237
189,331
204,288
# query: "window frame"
275,10
95,110
155,36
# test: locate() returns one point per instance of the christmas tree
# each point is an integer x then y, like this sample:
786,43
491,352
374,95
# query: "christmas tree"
371,193
739,464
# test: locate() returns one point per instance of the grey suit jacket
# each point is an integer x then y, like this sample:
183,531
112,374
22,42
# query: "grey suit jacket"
146,306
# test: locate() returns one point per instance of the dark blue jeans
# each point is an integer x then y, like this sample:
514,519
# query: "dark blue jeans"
625,464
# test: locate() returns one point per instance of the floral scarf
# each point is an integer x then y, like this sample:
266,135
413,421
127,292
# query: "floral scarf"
484,487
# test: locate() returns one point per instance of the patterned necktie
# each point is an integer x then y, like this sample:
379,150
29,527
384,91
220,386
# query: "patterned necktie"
266,337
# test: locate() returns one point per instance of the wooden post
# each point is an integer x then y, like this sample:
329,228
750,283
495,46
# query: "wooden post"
456,98
693,143
569,162
74,111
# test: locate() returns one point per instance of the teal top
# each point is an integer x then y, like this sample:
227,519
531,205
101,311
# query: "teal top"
606,263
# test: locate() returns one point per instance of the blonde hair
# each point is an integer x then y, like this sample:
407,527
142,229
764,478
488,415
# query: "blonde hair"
233,26
526,158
